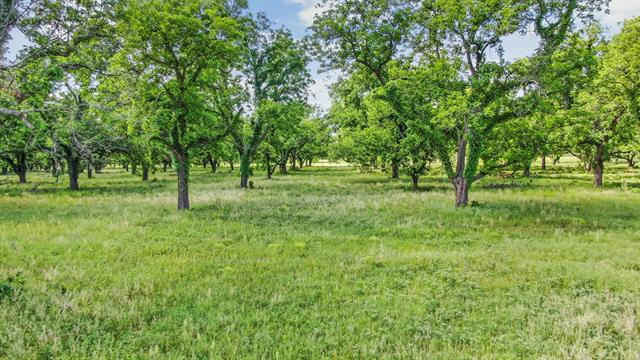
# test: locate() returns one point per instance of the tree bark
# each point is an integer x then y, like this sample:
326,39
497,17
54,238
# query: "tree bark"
294,159
598,166
89,171
164,165
231,165
134,168
245,170
395,169
527,170
267,161
544,163
283,167
461,186
21,168
73,169
183,180
213,163
414,182
145,172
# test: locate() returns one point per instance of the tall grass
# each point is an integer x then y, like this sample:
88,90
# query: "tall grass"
323,263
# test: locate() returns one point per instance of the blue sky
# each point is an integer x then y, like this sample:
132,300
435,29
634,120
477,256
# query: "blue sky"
297,15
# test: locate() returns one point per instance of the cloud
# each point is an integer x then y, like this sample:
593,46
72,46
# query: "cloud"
309,9
620,10
320,91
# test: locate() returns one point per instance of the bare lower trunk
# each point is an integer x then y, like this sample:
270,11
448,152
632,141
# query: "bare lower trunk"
293,160
21,168
267,161
89,172
598,166
527,170
145,172
134,168
183,181
462,191
216,163
395,170
544,163
231,165
73,167
245,170
22,176
414,181
283,167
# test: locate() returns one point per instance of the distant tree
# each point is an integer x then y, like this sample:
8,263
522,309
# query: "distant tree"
605,118
275,78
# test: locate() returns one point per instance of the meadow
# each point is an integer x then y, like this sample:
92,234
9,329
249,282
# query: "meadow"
321,263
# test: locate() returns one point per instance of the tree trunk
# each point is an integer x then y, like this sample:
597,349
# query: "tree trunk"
183,180
395,169
283,167
164,165
544,163
214,164
22,176
134,168
5,170
73,169
89,171
145,172
462,191
293,160
598,166
309,163
126,166
527,170
301,163
231,165
245,170
267,161
414,181
21,168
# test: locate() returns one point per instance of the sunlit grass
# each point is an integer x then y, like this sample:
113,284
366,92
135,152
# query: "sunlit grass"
325,262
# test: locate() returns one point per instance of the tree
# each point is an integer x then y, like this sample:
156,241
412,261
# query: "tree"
605,117
469,30
175,49
358,35
276,78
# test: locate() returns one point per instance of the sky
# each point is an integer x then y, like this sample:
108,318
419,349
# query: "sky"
297,15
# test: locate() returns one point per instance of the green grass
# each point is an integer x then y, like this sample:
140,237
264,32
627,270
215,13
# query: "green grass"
323,263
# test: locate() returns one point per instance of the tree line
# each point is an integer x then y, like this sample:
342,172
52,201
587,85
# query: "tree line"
170,83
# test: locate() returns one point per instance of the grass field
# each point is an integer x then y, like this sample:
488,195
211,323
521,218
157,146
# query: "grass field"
323,263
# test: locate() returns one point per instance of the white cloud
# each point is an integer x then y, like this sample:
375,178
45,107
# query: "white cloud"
309,9
620,10
320,91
